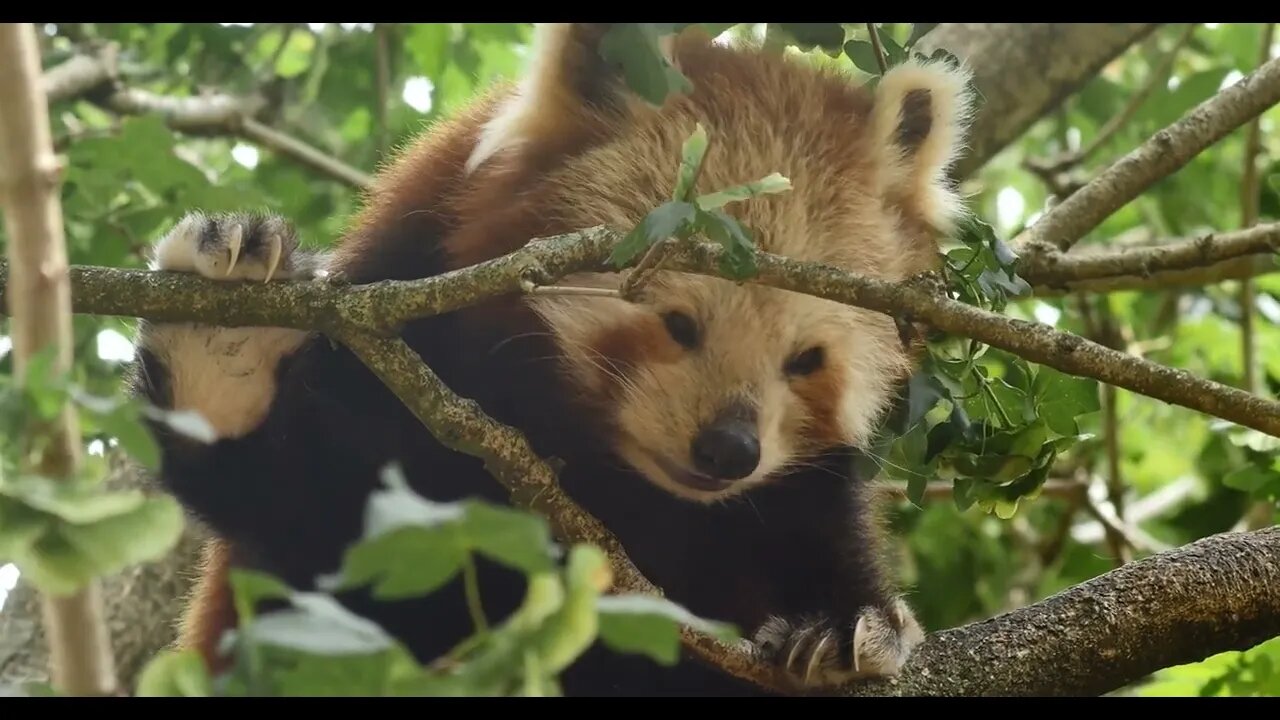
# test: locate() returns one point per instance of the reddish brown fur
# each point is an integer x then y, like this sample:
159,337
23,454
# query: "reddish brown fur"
557,182
821,394
210,611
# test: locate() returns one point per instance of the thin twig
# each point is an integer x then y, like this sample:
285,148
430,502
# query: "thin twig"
879,49
1250,195
1165,153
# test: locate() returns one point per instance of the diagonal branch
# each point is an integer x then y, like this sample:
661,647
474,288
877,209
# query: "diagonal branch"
1162,155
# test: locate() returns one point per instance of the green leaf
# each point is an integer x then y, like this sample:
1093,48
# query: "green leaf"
318,624
738,261
515,538
863,55
662,222
634,46
691,156
72,501
122,419
1061,398
406,562
175,673
828,36
650,626
919,30
146,533
774,183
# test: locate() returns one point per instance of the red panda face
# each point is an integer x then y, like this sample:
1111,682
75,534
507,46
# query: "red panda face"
706,386
710,388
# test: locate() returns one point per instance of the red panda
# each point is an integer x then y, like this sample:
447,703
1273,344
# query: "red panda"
711,425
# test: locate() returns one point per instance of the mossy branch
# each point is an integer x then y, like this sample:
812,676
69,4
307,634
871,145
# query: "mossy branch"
383,307
366,317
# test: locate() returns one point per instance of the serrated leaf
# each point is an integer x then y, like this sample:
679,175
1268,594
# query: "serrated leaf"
662,222
1061,398
650,626
774,183
175,673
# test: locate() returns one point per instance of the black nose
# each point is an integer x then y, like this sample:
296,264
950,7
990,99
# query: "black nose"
727,450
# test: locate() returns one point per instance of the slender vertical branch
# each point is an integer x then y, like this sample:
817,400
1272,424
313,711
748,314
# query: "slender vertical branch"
39,300
382,81
1249,199
875,45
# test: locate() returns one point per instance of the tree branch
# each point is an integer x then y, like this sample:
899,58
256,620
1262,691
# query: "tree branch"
216,113
1024,70
1162,155
1218,594
40,296
1059,164
384,306
1054,269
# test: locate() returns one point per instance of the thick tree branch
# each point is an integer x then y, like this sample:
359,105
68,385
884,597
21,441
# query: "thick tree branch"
1215,595
217,113
1162,155
1024,70
383,307
1053,166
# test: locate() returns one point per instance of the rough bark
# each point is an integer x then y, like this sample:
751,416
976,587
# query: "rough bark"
1025,70
1215,595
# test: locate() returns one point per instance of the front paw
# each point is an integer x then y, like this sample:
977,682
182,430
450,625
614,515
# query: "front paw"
234,246
821,652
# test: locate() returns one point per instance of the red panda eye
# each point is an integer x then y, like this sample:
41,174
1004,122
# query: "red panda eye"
682,328
806,363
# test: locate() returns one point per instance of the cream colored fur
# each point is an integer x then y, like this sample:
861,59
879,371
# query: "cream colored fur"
226,375
852,189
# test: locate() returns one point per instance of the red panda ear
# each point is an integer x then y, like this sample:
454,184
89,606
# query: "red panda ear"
566,86
922,111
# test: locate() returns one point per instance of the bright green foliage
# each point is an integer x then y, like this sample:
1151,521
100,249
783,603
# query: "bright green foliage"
990,426
317,647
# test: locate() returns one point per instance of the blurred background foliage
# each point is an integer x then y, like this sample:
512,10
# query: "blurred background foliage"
357,92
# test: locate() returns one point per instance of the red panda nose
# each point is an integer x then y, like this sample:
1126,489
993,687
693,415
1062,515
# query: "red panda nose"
727,450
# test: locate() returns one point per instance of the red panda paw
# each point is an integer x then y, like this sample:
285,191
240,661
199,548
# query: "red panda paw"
234,246
823,653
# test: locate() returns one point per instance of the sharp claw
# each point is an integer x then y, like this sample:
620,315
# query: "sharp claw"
233,244
816,656
859,636
796,645
277,247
